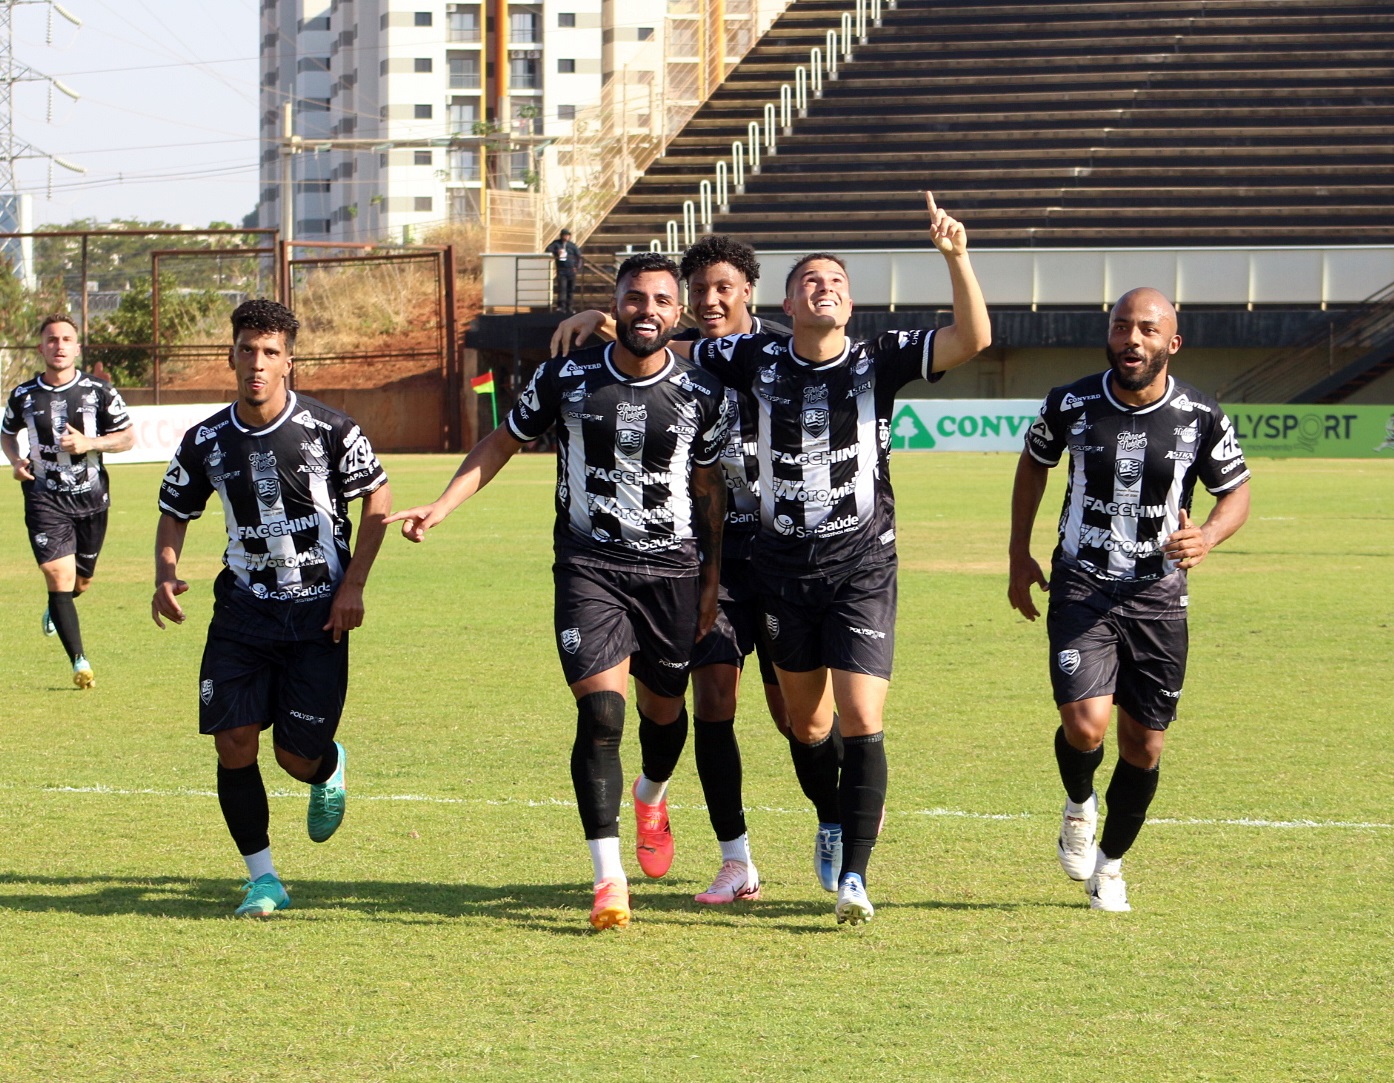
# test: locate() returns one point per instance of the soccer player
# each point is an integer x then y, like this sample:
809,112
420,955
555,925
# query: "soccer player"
72,418
720,273
826,547
1138,441
286,467
640,501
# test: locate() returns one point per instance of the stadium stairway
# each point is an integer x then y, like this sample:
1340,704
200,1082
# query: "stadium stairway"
1089,122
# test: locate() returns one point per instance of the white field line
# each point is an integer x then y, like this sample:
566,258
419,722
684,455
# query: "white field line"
937,813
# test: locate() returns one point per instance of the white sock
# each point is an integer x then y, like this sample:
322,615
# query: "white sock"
259,864
1091,805
1108,866
649,791
605,857
737,849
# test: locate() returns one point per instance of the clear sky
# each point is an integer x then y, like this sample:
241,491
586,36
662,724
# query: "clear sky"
166,125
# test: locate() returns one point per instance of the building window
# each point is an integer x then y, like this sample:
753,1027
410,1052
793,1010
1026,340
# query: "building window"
421,112
422,204
423,18
566,18
421,157
522,73
421,64
522,28
646,33
462,25
382,161
566,67
463,114
464,165
464,72
566,112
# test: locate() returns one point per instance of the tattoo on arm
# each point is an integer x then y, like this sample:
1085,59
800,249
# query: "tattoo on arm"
709,504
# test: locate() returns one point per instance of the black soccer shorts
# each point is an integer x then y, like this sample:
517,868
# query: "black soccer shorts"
296,688
739,628
843,622
53,534
1096,650
603,616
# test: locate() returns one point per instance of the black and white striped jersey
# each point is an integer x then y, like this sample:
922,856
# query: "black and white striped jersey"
74,484
739,459
823,438
285,490
625,453
1132,470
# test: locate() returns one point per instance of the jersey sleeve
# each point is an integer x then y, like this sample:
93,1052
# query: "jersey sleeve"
1221,465
538,405
185,490
718,415
1045,439
357,470
113,416
12,421
734,360
902,356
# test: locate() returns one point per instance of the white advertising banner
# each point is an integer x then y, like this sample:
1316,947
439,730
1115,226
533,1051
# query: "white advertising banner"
962,424
159,429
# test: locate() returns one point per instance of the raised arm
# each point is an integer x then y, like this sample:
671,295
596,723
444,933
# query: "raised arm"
1023,571
478,469
346,612
709,518
169,544
574,330
971,331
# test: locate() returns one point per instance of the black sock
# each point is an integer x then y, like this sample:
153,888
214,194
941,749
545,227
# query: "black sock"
1076,768
815,766
242,798
862,797
596,774
1129,793
719,767
64,616
837,736
660,746
328,764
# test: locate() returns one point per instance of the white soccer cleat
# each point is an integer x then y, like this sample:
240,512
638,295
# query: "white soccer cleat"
853,907
1106,888
1075,847
735,881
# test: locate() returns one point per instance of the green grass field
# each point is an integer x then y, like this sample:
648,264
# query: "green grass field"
442,933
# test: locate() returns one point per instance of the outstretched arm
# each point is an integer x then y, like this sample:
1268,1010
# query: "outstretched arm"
346,612
481,464
1189,544
1023,571
971,331
169,544
574,330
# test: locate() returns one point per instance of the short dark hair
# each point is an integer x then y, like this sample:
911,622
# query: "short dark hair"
564,233
56,317
805,261
267,317
641,263
719,248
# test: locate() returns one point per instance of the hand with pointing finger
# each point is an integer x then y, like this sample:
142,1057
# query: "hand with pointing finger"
948,234
1187,545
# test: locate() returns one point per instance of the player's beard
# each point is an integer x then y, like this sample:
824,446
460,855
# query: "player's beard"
1154,364
640,346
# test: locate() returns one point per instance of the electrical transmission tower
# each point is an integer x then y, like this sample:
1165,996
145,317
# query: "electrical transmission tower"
12,147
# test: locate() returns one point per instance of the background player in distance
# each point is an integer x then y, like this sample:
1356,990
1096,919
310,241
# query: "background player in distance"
640,502
826,548
285,467
72,419
720,273
1138,441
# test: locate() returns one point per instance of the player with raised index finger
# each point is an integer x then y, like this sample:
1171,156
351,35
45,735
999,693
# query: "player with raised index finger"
1138,441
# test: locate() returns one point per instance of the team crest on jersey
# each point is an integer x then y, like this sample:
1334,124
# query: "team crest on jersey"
571,640
1077,429
632,411
1132,441
1068,661
815,421
260,461
772,625
629,441
1129,471
205,691
269,491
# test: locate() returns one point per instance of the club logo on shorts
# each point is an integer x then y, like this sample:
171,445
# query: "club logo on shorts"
1068,661
772,625
205,691
629,441
1129,471
41,540
268,491
815,422
571,640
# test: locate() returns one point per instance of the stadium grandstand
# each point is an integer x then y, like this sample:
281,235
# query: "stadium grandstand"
1235,154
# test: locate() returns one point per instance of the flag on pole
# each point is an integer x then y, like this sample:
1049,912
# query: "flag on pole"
484,385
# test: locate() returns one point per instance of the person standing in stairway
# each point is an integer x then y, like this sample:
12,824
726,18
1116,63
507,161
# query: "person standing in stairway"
567,262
